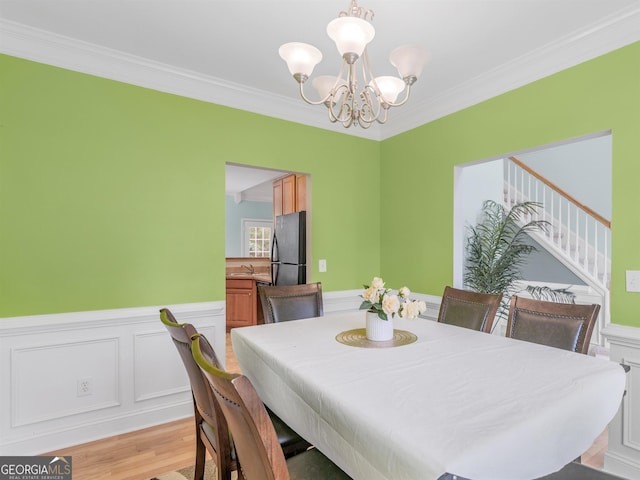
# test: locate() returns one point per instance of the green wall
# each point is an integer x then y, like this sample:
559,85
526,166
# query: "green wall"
113,196
418,167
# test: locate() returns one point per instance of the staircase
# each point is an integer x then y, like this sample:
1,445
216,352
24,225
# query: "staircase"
577,236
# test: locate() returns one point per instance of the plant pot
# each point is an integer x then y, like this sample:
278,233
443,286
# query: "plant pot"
378,329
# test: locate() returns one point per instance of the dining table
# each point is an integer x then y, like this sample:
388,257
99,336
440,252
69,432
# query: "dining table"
436,401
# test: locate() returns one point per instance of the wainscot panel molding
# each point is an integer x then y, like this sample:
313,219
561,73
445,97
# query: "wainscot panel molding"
76,377
623,455
341,301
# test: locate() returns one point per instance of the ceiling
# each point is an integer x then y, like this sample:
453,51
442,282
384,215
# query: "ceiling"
226,51
250,184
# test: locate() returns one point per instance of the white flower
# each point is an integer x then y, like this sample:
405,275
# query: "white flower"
390,304
377,283
371,294
377,298
422,306
412,309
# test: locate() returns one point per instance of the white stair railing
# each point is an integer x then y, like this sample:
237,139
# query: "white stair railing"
577,236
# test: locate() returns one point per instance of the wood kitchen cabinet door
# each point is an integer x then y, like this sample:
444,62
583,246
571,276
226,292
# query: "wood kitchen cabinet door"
277,198
301,193
289,194
241,303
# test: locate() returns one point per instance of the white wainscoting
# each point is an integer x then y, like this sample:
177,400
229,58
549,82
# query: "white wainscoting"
71,378
124,357
623,455
349,300
136,378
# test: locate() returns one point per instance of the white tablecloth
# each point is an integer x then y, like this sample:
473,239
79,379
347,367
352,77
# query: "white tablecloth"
480,406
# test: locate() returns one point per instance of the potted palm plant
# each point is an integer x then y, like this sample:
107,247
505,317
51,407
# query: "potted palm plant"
497,249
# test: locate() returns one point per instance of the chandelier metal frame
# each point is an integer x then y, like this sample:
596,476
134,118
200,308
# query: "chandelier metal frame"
345,102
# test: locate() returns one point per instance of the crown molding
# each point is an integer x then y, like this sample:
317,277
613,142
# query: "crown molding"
40,46
611,33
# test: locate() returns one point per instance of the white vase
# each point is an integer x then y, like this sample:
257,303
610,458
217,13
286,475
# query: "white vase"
378,329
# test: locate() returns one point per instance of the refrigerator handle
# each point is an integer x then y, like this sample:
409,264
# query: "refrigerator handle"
274,249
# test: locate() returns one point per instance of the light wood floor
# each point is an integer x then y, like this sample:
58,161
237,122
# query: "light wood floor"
143,454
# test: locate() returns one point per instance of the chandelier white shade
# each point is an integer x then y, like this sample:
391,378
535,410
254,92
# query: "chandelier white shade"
352,100
389,88
351,34
409,60
301,58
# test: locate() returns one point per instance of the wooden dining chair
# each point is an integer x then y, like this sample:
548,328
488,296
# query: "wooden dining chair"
211,426
212,433
281,303
254,437
468,309
563,325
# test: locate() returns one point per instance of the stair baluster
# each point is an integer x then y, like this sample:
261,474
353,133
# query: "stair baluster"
582,247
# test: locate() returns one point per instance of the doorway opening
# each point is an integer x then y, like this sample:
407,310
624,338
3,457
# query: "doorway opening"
571,180
254,197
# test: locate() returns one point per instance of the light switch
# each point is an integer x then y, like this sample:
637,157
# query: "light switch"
633,281
322,265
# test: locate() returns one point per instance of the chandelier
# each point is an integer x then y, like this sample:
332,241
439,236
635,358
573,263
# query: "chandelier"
346,104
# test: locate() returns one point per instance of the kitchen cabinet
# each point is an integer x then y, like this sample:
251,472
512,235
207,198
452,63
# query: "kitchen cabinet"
277,198
289,194
301,193
243,304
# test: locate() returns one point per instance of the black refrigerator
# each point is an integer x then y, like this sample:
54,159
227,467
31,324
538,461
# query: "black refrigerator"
289,250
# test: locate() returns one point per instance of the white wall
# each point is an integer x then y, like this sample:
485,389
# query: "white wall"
473,185
234,214
582,169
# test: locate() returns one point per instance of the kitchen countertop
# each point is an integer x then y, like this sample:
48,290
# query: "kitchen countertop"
258,277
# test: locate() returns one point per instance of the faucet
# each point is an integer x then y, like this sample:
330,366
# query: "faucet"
250,268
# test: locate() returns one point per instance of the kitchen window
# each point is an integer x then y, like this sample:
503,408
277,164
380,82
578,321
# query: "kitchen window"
256,236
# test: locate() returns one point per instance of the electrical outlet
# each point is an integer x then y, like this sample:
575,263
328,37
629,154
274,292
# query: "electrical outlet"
322,265
85,386
633,281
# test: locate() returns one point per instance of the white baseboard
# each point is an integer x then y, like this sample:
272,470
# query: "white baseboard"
64,437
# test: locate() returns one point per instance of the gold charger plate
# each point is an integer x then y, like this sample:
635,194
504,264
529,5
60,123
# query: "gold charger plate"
358,338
